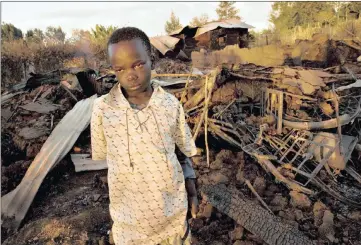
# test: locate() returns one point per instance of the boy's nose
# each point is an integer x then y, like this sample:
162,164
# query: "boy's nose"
132,77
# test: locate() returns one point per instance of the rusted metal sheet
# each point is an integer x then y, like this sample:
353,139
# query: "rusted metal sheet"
16,203
182,30
232,23
164,43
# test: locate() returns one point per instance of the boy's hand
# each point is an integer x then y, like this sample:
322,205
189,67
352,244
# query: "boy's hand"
192,196
194,206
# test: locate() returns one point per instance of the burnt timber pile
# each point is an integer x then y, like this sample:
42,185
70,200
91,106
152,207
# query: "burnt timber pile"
279,154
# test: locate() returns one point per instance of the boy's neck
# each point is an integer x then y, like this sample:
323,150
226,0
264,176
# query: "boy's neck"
139,97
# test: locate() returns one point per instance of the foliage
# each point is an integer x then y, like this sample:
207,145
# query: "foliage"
173,24
199,21
227,10
350,29
99,39
54,35
288,15
18,55
9,32
101,33
35,35
79,35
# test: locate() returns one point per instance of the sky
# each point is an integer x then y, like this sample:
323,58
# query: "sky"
148,16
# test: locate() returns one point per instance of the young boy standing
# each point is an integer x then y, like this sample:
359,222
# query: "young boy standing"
136,127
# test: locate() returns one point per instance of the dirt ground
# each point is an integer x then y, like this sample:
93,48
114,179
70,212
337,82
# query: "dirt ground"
72,208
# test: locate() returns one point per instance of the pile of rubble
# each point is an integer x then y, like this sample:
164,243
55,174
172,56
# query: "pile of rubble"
277,142
302,126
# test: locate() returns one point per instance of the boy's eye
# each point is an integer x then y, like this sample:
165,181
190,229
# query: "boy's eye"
119,70
139,65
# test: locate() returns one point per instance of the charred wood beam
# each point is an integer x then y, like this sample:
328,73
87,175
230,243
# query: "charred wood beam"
251,78
253,217
88,82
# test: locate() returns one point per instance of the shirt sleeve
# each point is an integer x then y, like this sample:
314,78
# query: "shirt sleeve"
98,141
182,136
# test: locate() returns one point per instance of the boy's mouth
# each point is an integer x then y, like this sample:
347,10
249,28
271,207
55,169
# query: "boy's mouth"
135,86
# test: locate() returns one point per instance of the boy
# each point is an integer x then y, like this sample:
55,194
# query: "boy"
136,127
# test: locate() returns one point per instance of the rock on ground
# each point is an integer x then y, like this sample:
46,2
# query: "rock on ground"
259,185
218,178
237,233
299,200
278,203
207,212
326,229
318,211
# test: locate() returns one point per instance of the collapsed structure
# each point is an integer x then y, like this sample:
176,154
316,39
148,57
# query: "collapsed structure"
300,125
213,35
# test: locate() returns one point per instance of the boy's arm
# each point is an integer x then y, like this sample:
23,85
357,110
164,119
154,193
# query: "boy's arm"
186,145
190,178
186,163
98,141
187,167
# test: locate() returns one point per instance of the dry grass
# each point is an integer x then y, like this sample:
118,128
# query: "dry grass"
17,56
344,30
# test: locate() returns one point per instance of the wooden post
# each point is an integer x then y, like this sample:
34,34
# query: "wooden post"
280,112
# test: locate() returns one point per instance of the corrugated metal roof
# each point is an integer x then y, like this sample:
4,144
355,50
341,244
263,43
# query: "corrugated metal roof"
176,32
232,23
16,203
164,43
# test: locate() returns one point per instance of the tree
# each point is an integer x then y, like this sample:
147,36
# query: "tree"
227,10
78,35
35,35
9,32
203,19
99,38
55,34
288,15
173,24
102,32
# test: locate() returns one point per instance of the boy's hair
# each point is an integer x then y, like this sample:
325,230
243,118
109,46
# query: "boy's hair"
130,33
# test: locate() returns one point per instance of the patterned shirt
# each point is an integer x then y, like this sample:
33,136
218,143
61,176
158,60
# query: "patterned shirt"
148,201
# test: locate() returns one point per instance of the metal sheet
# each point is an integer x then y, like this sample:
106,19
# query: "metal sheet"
83,162
164,43
166,83
224,24
231,23
178,31
16,203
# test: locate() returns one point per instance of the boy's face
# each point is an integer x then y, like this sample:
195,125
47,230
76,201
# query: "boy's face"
132,64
